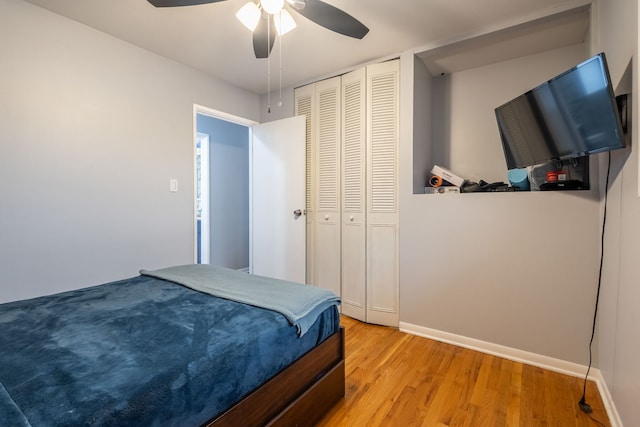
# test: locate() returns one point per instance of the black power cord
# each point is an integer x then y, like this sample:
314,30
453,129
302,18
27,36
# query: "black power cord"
584,406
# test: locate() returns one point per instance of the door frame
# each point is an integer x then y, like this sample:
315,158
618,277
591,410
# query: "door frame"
205,229
220,115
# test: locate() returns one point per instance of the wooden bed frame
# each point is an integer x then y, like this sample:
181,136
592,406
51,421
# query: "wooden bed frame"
298,396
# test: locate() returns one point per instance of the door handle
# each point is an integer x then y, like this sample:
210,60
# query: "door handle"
297,213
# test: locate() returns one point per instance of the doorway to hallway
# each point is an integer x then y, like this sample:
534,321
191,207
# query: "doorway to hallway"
256,194
222,192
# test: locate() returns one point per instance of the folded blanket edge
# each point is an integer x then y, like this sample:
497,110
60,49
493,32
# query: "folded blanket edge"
9,411
206,278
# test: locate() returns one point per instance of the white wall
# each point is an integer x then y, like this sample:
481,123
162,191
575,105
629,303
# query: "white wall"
515,269
619,316
91,131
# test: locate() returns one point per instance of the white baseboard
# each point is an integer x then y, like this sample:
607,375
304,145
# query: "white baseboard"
607,400
533,359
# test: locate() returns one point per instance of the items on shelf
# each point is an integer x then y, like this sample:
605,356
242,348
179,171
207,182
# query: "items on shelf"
443,181
452,189
519,178
484,187
447,175
572,174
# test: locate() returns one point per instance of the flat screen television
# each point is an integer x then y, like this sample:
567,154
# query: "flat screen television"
572,115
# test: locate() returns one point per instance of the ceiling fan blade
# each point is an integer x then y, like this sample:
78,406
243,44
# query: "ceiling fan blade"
174,3
298,4
333,19
264,37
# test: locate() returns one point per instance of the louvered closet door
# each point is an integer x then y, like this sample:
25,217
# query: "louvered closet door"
304,101
382,194
354,243
327,175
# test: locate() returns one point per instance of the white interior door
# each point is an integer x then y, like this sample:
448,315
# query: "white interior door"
278,199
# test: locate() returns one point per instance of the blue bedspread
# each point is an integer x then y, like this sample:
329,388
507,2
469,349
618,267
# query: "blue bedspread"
141,351
299,303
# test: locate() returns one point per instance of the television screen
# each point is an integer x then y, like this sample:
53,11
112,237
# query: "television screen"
571,115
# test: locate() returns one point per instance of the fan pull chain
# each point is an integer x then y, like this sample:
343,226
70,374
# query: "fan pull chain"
280,53
268,67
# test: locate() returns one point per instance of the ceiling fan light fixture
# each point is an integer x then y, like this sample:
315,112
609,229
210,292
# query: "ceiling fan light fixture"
249,15
284,22
272,7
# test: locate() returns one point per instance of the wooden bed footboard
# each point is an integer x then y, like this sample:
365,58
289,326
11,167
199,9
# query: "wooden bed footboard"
298,396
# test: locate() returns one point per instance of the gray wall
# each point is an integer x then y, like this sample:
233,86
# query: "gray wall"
422,125
229,188
619,319
515,269
91,131
480,266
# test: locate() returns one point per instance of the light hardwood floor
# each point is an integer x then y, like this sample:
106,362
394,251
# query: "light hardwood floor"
397,379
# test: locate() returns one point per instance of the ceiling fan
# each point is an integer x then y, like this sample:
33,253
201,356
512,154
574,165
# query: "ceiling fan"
264,12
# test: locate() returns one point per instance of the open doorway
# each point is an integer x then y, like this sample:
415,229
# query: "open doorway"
222,190
256,194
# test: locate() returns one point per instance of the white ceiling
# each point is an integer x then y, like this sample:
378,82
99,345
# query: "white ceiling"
210,39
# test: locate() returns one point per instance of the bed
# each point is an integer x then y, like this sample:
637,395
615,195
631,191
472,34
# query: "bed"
184,346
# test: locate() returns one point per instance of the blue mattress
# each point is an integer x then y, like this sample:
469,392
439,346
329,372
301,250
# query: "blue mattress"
141,351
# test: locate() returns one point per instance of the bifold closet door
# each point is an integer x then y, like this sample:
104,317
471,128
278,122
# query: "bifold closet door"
382,193
327,192
354,231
